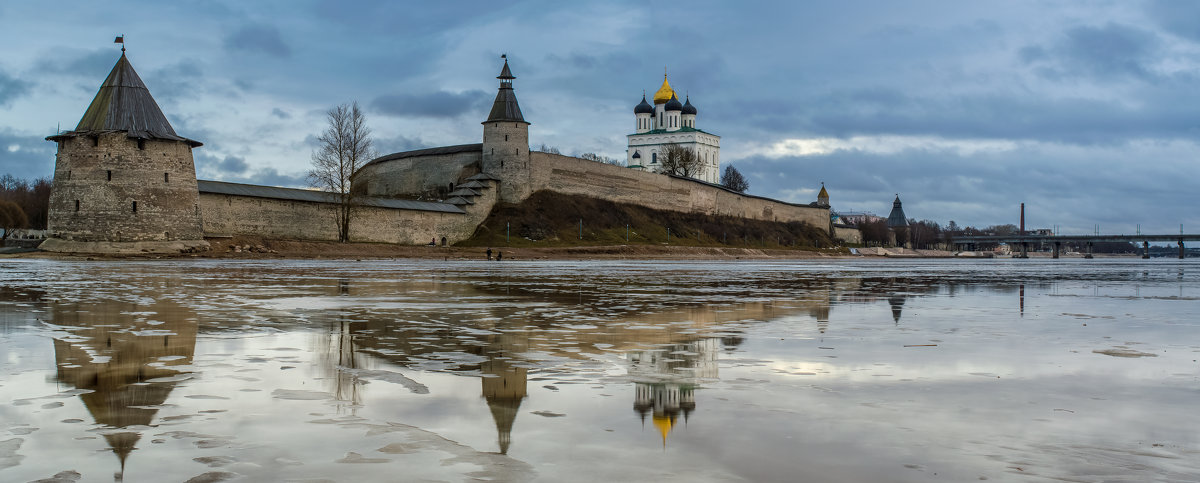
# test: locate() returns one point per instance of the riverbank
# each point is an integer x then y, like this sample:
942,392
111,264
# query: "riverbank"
243,247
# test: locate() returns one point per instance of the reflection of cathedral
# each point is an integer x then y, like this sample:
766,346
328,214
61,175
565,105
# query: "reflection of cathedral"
666,380
115,355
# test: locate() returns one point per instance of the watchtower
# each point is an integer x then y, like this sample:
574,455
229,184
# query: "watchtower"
506,142
123,180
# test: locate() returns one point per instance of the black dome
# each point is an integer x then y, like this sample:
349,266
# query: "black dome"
643,107
674,104
688,108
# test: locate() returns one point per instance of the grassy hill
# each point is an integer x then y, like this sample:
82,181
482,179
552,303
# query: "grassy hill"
550,219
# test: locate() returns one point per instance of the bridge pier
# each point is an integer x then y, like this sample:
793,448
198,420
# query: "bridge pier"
1024,249
1182,253
1089,250
1146,250
1056,246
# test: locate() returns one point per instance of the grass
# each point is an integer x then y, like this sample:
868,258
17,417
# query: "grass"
548,219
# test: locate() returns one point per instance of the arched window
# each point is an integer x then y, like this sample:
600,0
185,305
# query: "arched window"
653,158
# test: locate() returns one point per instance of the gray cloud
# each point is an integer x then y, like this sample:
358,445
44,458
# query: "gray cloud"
1176,17
222,168
1110,51
398,144
260,39
25,156
280,113
11,88
434,104
93,64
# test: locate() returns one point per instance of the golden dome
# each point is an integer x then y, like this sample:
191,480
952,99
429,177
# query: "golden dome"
665,93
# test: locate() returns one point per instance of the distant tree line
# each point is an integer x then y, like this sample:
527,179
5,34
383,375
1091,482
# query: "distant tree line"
23,203
928,234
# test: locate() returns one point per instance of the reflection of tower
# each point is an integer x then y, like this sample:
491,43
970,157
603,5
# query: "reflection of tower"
897,303
117,356
1022,308
504,389
666,380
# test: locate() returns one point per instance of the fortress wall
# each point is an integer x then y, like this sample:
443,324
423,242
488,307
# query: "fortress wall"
848,235
417,174
565,174
90,205
305,220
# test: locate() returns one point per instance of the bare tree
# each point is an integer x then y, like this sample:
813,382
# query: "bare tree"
345,146
733,179
680,161
601,159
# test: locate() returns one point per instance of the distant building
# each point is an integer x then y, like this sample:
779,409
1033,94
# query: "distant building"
671,122
898,224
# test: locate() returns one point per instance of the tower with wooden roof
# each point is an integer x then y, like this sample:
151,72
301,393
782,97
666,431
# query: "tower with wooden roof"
123,179
506,142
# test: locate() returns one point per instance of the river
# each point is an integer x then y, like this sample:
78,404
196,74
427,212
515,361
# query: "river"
384,370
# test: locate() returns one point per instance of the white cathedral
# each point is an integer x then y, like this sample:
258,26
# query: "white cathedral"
671,122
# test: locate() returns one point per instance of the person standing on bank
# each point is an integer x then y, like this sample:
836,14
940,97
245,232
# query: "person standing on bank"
499,256
489,253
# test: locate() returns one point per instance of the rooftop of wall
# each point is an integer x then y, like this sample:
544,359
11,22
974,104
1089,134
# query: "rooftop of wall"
312,196
461,148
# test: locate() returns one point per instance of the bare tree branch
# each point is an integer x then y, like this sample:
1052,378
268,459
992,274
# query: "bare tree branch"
680,161
345,146
733,179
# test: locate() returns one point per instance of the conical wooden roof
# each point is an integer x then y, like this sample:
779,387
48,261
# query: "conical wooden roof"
123,103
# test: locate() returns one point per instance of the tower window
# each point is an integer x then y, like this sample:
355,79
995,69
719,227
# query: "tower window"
141,144
95,140
110,175
166,177
135,207
76,205
68,175
506,138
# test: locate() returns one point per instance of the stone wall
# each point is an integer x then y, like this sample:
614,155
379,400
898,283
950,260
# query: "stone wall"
225,214
110,188
848,234
415,175
565,174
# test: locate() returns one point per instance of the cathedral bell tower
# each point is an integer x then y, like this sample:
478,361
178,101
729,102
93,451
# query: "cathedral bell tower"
506,142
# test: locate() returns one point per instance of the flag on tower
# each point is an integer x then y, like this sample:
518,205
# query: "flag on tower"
119,40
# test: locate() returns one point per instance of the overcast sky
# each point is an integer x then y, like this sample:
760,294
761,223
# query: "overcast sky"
1088,112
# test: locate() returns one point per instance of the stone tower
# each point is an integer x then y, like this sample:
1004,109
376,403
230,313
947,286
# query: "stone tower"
506,142
123,180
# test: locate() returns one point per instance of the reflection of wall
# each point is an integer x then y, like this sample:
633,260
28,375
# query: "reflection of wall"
114,352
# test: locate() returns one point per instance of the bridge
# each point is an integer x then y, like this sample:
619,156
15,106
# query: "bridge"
1023,240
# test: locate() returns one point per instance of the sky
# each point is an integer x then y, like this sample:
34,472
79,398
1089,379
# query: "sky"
1087,112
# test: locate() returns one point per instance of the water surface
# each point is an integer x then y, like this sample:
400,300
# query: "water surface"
1009,370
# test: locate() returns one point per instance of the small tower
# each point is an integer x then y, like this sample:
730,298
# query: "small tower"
823,196
506,142
645,116
897,224
689,113
123,180
664,95
674,110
